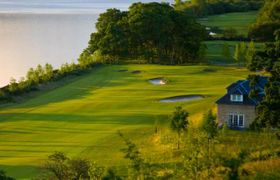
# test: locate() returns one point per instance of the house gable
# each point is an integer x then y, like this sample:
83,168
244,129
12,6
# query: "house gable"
236,108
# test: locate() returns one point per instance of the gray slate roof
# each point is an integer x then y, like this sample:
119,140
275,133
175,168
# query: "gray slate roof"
242,87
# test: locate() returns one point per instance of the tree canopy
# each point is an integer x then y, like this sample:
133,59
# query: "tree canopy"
268,21
155,32
210,7
268,111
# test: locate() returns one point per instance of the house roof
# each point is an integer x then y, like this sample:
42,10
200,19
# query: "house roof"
242,87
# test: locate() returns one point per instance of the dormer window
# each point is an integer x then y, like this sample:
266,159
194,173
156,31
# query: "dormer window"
236,97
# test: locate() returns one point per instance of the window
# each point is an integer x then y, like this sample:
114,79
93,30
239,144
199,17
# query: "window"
230,121
241,121
236,120
236,98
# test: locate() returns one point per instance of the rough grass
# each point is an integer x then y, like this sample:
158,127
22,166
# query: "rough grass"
83,117
239,21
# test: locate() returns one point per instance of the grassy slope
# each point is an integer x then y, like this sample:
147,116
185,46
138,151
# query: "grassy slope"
82,118
214,53
240,21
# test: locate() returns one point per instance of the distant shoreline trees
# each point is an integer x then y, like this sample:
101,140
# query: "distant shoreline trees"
40,76
201,8
154,32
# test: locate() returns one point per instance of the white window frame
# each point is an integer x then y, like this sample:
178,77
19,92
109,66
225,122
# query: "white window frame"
236,97
235,119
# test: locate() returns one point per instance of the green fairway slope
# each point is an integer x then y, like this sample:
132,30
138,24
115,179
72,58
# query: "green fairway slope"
83,117
239,21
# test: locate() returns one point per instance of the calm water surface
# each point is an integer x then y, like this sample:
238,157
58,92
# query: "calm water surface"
46,31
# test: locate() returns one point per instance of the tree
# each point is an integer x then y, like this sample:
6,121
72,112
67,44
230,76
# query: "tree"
48,72
171,37
240,53
59,166
3,176
195,156
237,54
243,50
179,122
13,86
268,111
226,51
250,53
210,128
268,21
210,125
133,154
199,7
39,72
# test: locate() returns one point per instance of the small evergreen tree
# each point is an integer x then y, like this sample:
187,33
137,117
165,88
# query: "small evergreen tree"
210,125
210,128
243,50
133,154
237,54
250,53
179,122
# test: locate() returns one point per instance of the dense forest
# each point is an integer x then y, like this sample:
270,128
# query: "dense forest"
154,32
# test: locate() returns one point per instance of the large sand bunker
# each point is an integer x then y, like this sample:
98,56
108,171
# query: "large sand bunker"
181,98
157,81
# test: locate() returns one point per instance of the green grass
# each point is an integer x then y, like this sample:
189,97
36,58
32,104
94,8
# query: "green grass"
82,118
240,21
214,53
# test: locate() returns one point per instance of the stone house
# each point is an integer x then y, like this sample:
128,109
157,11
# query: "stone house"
236,108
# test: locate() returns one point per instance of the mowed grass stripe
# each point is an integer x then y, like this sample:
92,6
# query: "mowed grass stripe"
83,117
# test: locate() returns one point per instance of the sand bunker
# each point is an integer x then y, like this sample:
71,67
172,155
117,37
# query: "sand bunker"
157,81
181,98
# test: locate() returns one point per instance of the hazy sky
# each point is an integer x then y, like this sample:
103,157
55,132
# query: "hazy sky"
48,6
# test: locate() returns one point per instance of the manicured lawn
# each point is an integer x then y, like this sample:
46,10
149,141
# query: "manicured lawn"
83,117
214,53
239,21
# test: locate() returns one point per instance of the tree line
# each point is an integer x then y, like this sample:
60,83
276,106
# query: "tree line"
154,32
41,76
201,8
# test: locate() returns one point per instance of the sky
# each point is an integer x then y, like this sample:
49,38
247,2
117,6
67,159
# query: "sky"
60,6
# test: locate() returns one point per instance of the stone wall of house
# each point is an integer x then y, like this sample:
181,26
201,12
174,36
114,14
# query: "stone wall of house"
248,111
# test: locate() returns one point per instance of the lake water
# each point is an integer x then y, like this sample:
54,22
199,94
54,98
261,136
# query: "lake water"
46,31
